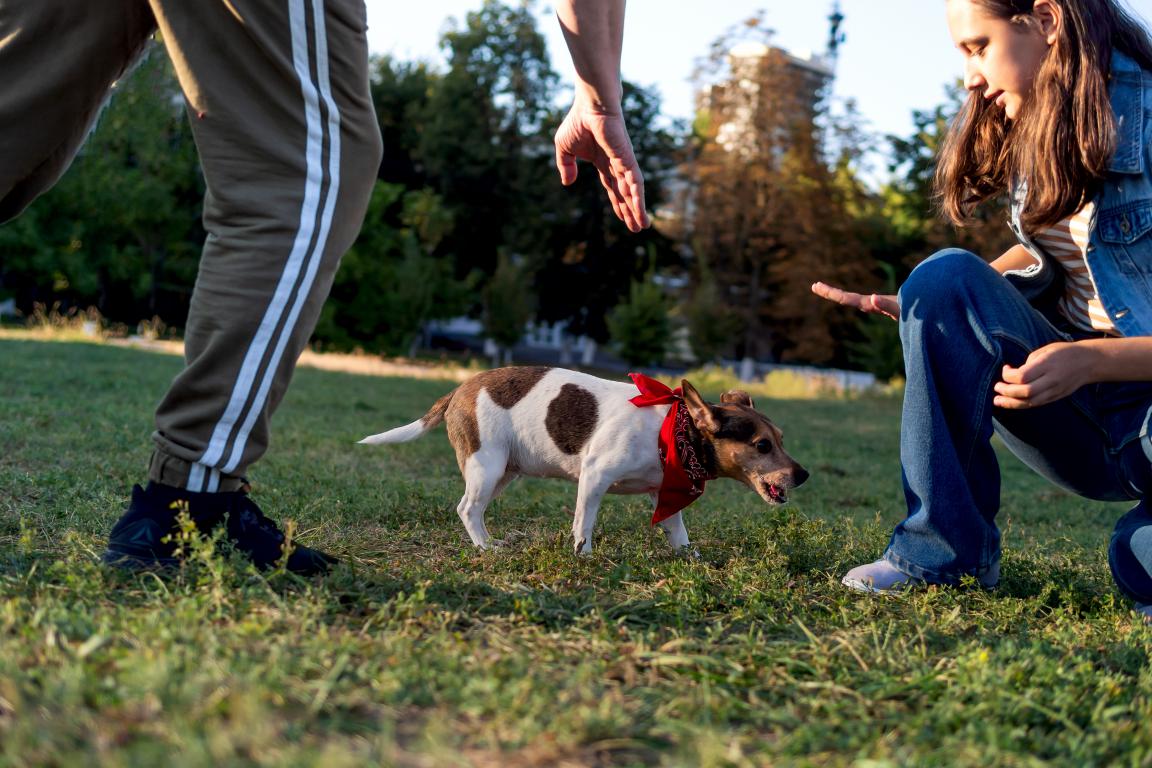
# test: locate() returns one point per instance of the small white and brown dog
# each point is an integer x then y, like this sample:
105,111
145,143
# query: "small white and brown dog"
553,422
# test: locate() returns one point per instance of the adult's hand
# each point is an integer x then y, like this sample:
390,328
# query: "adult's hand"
1050,373
876,303
597,134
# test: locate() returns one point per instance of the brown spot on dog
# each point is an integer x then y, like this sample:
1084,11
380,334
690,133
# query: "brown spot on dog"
508,386
463,428
572,415
436,413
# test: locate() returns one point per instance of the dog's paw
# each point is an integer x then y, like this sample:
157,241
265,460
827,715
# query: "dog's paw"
582,548
687,552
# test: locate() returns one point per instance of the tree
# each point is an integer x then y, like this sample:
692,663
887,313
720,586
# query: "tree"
121,230
910,200
391,282
485,131
640,327
507,305
769,211
711,322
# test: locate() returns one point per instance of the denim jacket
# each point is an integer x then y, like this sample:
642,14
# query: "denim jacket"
1119,252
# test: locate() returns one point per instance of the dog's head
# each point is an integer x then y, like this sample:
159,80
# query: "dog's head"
746,445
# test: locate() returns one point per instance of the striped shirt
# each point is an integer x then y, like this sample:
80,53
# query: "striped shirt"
1066,243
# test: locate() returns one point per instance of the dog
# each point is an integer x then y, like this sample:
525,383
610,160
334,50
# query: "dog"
553,422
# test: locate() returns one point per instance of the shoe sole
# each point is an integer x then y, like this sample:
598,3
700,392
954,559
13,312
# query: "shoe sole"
899,588
128,562
866,587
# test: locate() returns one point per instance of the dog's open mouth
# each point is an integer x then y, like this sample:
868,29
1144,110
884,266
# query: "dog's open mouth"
773,493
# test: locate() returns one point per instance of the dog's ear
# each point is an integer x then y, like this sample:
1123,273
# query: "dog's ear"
701,413
737,397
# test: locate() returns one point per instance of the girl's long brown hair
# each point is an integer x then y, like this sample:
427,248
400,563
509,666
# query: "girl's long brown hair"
1065,135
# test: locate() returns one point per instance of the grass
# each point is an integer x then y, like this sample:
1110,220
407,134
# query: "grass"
420,651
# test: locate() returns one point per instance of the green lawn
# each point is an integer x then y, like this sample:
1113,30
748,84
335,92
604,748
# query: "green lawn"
421,651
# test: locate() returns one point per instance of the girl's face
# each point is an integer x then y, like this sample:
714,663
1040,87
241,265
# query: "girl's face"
1001,59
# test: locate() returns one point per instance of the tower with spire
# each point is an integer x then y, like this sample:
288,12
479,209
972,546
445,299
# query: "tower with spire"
835,36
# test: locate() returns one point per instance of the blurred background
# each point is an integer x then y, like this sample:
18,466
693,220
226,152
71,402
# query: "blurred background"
780,147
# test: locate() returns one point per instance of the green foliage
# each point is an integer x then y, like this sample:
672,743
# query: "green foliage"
507,303
640,326
391,282
485,133
421,651
117,231
879,349
909,203
712,325
470,146
122,230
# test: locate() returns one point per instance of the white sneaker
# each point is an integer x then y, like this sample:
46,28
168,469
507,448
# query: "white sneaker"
1144,611
878,578
883,578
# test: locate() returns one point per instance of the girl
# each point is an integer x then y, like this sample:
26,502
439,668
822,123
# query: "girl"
1050,345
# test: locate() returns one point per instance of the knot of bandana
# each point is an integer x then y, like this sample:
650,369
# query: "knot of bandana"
684,476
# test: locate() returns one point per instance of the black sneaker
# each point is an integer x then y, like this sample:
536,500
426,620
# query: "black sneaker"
136,541
262,540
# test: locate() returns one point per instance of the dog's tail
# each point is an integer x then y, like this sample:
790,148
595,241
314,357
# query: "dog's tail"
417,428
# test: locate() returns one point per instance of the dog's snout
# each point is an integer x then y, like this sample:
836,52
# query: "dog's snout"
800,474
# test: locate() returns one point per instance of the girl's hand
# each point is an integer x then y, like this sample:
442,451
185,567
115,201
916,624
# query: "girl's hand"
1050,373
877,303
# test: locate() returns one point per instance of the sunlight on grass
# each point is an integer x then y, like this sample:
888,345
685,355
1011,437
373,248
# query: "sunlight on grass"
421,651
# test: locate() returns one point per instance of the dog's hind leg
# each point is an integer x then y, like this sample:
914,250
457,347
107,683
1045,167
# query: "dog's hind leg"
484,476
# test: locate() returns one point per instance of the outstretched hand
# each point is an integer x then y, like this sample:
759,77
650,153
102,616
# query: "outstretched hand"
877,303
600,137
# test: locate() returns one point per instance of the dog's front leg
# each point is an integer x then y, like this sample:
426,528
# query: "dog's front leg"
675,531
593,485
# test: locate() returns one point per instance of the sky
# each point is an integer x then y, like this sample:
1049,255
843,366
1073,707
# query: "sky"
897,58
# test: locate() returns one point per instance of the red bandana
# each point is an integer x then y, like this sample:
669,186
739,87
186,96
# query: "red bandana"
683,481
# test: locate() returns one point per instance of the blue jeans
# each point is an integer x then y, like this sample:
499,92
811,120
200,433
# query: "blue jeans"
960,323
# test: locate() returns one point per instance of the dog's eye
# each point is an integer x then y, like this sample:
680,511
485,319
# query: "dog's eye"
764,446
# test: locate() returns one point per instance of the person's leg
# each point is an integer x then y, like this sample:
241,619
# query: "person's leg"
279,101
960,324
58,60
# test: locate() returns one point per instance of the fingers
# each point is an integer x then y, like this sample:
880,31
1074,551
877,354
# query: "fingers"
875,303
885,305
565,154
1021,388
608,181
1013,375
625,188
566,164
634,184
837,295
841,296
